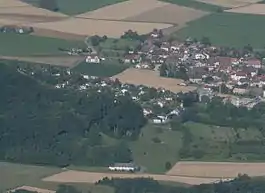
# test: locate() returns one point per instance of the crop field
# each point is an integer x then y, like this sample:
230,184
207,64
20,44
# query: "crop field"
100,27
30,177
66,61
255,9
151,79
106,69
80,6
72,176
217,169
123,10
28,45
229,3
227,29
169,13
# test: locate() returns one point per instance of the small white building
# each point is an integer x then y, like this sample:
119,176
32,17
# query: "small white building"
127,167
93,59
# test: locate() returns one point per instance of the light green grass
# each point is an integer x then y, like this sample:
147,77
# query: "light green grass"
104,69
227,29
152,155
71,7
196,5
16,175
28,45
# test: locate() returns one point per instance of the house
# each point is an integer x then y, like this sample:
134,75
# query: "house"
127,167
159,119
256,63
92,59
238,75
132,58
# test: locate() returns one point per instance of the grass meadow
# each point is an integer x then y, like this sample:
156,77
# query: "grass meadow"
227,29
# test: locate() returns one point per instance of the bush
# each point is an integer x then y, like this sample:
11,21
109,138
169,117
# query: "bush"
156,140
168,165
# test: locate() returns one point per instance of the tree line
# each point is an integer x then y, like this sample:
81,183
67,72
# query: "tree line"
43,125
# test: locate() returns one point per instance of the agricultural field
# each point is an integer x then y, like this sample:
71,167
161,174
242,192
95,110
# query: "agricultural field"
80,6
229,3
217,169
100,27
227,29
65,61
255,9
72,176
123,10
104,69
151,79
169,13
196,5
28,45
17,175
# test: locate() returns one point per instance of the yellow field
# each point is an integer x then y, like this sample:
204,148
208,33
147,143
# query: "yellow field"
258,9
217,169
152,79
123,10
99,27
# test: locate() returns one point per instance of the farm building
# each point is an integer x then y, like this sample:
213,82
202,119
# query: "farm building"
128,167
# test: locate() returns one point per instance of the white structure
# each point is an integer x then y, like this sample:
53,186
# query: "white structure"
93,59
128,167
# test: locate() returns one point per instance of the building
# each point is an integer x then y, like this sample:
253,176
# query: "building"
93,59
127,167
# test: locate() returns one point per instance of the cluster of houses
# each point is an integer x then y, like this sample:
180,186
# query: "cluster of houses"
16,29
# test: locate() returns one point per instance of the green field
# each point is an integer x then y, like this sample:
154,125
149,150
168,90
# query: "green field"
16,175
227,29
104,69
196,5
78,6
28,45
153,155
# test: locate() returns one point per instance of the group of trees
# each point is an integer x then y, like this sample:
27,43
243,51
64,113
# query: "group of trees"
43,125
168,70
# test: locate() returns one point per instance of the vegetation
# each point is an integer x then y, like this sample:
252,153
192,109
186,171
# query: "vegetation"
62,127
104,69
28,45
80,6
49,4
197,5
227,29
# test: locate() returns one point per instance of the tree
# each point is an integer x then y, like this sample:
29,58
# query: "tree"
49,4
206,41
168,166
163,70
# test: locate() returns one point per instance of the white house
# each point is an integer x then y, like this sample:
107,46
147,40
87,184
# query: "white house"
93,59
238,75
128,167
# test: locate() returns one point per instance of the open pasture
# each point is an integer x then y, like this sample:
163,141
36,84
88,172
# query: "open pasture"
99,27
217,169
123,10
255,9
169,13
152,79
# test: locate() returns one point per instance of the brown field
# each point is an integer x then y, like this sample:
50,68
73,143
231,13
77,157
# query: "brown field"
12,3
258,9
99,27
72,176
66,61
152,79
217,169
32,189
123,10
169,13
